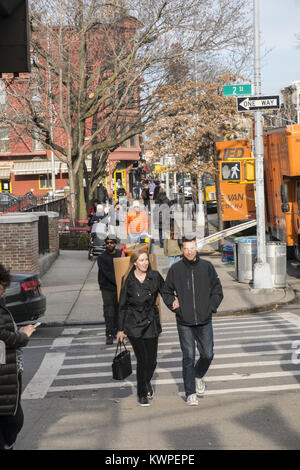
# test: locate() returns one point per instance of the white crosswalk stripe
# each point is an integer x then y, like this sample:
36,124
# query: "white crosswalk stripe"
253,354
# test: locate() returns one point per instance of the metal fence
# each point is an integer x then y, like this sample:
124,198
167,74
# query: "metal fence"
55,205
11,203
30,203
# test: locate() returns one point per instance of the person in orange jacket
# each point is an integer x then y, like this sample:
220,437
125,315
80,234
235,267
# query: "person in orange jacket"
137,222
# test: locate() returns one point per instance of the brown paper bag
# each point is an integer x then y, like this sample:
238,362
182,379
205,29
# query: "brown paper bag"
122,264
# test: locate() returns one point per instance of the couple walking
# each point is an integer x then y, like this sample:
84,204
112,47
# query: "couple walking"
193,291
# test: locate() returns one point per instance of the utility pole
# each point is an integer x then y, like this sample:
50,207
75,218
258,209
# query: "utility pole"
262,278
200,216
167,177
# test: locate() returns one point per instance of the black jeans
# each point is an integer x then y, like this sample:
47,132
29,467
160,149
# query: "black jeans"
145,350
147,204
10,426
110,308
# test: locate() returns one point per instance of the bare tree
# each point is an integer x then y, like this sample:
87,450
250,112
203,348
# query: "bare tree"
194,116
96,65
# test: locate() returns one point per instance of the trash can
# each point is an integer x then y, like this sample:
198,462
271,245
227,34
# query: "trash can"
227,252
236,254
276,257
247,254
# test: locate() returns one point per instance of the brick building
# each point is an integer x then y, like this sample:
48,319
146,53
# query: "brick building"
26,165
21,172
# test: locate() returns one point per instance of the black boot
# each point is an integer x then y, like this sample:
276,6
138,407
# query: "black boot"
109,339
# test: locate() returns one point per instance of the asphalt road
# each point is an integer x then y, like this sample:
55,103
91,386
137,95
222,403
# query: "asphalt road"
252,398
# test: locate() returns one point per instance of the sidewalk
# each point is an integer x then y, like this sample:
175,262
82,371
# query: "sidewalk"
73,295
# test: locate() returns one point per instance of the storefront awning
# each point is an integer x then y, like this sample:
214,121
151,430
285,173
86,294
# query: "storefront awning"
88,162
5,172
38,167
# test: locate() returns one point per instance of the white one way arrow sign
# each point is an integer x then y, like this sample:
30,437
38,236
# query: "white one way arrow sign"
253,103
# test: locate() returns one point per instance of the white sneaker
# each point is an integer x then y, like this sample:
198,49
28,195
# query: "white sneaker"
192,400
200,387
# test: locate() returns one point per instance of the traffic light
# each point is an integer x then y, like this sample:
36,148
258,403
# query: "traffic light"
14,36
231,171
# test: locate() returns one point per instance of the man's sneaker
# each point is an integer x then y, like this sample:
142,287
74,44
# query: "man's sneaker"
192,400
110,339
143,401
200,387
150,391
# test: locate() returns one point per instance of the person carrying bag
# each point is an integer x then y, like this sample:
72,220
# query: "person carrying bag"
138,318
121,366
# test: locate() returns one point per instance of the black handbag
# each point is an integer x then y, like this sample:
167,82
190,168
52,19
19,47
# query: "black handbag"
121,366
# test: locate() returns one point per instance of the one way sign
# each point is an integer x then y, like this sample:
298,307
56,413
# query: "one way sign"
255,103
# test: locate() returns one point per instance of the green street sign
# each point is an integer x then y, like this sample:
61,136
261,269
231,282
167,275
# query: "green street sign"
237,90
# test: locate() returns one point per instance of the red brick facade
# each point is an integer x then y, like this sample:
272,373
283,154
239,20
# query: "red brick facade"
17,146
19,243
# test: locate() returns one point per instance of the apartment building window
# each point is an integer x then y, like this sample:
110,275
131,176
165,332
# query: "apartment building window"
133,141
131,98
37,135
4,139
45,181
123,130
3,97
5,186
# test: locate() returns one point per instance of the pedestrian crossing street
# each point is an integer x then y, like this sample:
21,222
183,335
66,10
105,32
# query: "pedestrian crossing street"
258,353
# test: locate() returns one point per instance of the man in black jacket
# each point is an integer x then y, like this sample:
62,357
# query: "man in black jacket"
108,287
193,290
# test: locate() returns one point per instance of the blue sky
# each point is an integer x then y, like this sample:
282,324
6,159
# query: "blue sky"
279,23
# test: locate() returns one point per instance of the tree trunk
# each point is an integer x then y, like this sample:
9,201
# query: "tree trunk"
72,196
81,206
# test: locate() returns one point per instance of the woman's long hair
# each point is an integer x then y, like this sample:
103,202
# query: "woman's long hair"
133,258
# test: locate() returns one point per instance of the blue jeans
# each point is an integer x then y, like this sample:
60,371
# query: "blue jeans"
202,335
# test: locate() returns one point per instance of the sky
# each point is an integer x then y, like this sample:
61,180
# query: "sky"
280,57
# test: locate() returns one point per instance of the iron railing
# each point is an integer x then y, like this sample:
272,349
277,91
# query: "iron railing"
30,203
55,205
11,203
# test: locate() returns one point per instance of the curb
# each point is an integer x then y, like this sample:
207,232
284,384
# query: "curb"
243,311
59,324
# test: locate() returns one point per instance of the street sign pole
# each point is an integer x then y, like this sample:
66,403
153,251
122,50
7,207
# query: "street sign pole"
262,278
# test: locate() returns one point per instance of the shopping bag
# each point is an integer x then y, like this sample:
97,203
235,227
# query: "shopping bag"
121,366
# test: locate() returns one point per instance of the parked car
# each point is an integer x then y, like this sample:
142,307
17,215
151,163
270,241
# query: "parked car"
24,298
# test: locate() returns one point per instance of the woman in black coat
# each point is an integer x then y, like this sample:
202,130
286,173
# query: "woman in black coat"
139,319
11,414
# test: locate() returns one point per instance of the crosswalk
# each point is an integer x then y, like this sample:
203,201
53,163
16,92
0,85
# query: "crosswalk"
259,353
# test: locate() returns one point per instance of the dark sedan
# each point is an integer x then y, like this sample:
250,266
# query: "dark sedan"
24,298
